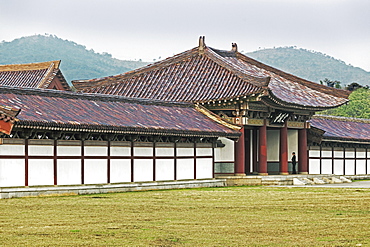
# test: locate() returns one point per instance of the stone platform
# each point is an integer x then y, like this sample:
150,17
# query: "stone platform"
293,179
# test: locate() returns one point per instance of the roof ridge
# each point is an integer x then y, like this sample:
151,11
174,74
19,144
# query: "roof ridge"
88,96
263,81
138,71
30,66
344,119
313,85
46,78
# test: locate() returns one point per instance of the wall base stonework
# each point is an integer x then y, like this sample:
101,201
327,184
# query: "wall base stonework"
31,191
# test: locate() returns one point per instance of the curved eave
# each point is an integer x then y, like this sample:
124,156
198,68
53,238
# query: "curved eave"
272,101
120,130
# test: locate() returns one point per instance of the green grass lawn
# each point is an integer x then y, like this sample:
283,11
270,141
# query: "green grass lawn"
232,216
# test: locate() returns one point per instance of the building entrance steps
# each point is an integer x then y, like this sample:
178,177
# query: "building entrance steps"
293,179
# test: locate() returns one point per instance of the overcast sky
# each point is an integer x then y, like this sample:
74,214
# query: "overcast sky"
149,29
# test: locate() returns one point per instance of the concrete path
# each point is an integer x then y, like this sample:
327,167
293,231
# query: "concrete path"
355,184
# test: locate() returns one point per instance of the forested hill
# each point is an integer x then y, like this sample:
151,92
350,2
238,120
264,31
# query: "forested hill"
310,65
77,61
80,63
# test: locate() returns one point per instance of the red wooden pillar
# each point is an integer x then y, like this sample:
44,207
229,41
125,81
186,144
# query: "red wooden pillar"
240,155
302,151
283,157
262,151
255,151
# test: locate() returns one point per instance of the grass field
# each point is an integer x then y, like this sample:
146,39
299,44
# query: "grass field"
232,216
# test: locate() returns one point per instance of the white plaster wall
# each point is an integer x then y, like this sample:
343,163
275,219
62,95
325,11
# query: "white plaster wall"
326,153
338,167
185,169
368,166
326,166
96,151
360,154
204,151
167,152
313,153
143,170
165,169
12,150
69,171
143,151
40,172
226,153
292,142
350,167
69,150
185,151
338,154
314,166
273,142
204,168
12,172
120,151
40,150
360,166
120,170
95,171
350,154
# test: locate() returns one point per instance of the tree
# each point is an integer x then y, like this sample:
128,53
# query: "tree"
357,107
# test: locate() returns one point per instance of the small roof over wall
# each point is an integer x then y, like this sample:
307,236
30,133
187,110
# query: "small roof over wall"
204,74
67,111
33,75
343,128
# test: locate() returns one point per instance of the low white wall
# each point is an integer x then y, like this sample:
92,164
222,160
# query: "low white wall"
122,165
338,161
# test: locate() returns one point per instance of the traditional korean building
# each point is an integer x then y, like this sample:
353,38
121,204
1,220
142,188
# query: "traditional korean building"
272,107
339,145
45,75
66,138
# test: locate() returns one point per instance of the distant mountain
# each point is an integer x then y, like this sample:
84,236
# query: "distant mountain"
77,61
311,65
80,63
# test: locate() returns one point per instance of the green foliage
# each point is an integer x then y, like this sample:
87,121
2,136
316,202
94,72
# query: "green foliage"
77,61
358,106
311,65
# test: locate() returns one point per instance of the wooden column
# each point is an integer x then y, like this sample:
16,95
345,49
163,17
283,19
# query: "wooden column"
82,161
240,155
283,154
55,161
247,152
302,152
255,151
262,151
26,162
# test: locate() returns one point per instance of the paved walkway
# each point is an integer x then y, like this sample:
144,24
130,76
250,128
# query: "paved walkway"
355,184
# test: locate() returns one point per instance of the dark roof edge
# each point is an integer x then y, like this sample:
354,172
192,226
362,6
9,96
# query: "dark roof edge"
85,96
120,130
343,119
341,93
345,140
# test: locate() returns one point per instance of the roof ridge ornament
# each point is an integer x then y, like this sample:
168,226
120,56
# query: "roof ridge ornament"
202,44
234,47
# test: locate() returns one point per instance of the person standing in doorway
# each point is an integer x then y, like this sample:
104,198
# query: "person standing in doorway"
294,163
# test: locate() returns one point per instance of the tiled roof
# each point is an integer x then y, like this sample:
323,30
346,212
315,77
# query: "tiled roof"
52,109
201,75
342,128
32,75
